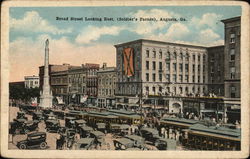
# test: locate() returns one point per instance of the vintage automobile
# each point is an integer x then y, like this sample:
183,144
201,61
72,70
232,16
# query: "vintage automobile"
101,127
59,114
22,126
138,140
119,129
52,126
34,140
84,143
70,122
123,143
21,115
50,116
79,124
37,116
149,134
98,136
70,137
165,144
85,131
28,109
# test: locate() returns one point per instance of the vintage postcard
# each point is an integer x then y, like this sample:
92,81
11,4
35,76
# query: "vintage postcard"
129,79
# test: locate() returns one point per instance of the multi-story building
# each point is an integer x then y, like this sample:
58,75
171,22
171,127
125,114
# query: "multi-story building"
77,84
106,86
215,64
161,69
232,68
92,81
31,81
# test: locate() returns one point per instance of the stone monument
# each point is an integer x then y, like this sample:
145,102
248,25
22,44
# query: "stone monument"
46,93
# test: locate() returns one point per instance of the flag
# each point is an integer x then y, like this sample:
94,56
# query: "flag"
34,101
83,98
128,60
59,100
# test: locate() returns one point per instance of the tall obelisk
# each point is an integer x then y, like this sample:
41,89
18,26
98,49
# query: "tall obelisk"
46,94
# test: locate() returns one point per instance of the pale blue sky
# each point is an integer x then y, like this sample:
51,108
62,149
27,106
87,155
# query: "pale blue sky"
30,26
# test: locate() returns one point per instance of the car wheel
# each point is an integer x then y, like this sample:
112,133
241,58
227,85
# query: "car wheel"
43,145
22,146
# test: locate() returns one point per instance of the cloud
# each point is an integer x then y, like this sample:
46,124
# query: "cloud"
93,33
177,31
27,54
208,37
33,22
149,27
207,20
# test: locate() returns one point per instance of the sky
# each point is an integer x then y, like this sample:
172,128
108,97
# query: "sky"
79,42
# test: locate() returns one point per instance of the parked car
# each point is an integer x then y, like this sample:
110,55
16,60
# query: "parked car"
150,134
52,125
22,126
33,140
98,136
123,144
165,144
85,131
21,115
138,140
38,116
84,143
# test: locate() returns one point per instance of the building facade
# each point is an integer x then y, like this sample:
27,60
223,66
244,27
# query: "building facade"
215,64
163,69
31,81
77,84
232,75
106,86
92,81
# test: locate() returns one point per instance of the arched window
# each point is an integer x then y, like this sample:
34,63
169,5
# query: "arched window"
168,55
175,55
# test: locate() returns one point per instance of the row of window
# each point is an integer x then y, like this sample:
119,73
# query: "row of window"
174,55
174,89
174,67
174,78
107,92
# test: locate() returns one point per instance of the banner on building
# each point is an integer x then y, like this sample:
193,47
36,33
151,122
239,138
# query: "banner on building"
83,98
60,100
34,101
128,61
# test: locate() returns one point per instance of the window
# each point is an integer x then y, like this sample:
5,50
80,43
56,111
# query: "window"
212,69
168,66
167,89
186,90
160,77
175,55
233,92
204,79
198,89
154,89
153,77
160,89
199,68
204,68
199,58
193,89
232,38
187,57
174,78
147,77
174,90
204,58
147,88
186,78
154,54
147,53
198,79
153,65
193,79
181,56
186,68
160,65
180,89
180,78
147,65
232,54
232,72
193,57
180,67
168,55
174,67
160,54
193,68
167,77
